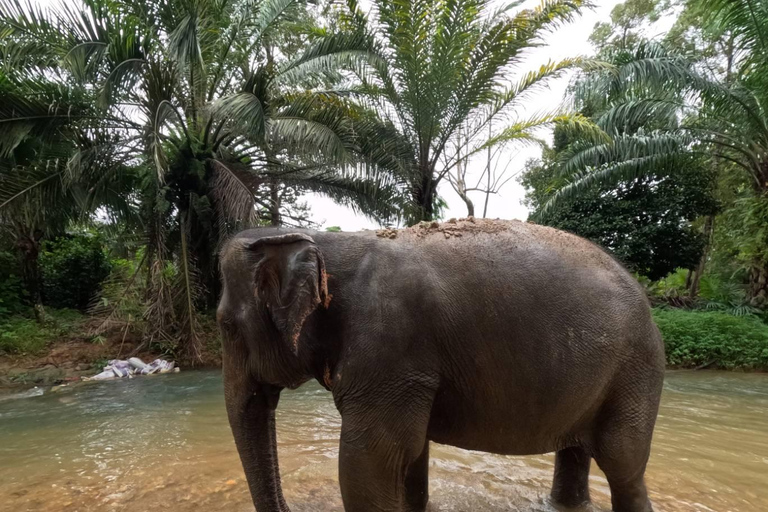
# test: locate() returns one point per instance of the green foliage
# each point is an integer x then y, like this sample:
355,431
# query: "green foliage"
626,19
186,121
717,292
121,296
745,230
11,286
646,222
73,268
333,229
22,335
696,338
712,92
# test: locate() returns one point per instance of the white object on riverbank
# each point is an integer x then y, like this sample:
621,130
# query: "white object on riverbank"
118,368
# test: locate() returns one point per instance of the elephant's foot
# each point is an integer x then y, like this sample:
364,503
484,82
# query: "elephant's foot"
570,487
625,478
633,499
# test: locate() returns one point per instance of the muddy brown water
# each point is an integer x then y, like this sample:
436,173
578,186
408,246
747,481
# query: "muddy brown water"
163,441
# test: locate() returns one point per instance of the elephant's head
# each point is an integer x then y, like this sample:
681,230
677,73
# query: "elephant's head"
271,286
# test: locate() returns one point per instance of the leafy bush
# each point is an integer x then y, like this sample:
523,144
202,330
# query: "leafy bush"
11,286
21,335
717,339
716,293
73,268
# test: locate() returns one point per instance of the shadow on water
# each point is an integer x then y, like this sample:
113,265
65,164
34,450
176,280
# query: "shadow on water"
164,441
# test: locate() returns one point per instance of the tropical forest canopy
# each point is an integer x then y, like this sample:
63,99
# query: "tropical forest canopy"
136,137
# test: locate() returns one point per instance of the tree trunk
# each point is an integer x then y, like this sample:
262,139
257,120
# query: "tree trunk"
204,256
758,284
274,203
709,228
469,203
758,273
488,174
424,197
29,249
487,190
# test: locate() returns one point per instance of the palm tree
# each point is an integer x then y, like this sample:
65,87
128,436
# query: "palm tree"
721,115
205,102
439,72
40,195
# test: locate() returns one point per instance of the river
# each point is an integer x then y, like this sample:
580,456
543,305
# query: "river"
163,441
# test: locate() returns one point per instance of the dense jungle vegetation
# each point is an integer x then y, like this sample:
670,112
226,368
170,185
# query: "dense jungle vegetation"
135,137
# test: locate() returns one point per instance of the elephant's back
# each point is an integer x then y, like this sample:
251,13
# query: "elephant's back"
523,307
480,239
523,265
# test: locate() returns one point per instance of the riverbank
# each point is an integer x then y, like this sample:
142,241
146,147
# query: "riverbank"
697,339
63,349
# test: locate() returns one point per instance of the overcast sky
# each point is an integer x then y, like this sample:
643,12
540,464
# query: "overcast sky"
568,41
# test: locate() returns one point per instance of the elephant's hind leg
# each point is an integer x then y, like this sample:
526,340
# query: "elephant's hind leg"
570,487
622,450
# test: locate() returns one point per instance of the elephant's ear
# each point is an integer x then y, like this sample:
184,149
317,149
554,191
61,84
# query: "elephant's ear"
290,279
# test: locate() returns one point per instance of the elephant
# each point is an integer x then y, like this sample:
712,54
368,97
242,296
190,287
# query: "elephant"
499,336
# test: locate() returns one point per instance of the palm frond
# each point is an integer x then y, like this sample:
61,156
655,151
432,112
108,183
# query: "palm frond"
611,174
233,189
376,198
328,56
588,155
307,137
184,45
244,111
525,131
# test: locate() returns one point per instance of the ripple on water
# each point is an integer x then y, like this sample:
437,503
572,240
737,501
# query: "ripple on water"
136,443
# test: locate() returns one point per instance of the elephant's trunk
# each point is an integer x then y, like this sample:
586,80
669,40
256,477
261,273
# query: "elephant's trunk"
251,410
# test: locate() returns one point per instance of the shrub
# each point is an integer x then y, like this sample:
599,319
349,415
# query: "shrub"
11,286
717,339
73,268
21,335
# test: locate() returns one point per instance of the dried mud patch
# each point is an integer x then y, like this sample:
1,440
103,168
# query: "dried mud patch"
453,228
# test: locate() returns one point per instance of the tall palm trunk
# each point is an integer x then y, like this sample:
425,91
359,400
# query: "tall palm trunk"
424,196
204,254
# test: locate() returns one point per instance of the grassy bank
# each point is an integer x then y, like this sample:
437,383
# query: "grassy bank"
713,339
22,335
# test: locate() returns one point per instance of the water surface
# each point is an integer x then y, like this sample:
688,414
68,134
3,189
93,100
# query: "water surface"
164,441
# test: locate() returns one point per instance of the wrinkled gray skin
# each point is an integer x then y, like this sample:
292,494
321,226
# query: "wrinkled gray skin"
511,338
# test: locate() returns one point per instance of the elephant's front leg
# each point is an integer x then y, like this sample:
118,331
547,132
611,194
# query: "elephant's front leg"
383,459
251,409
